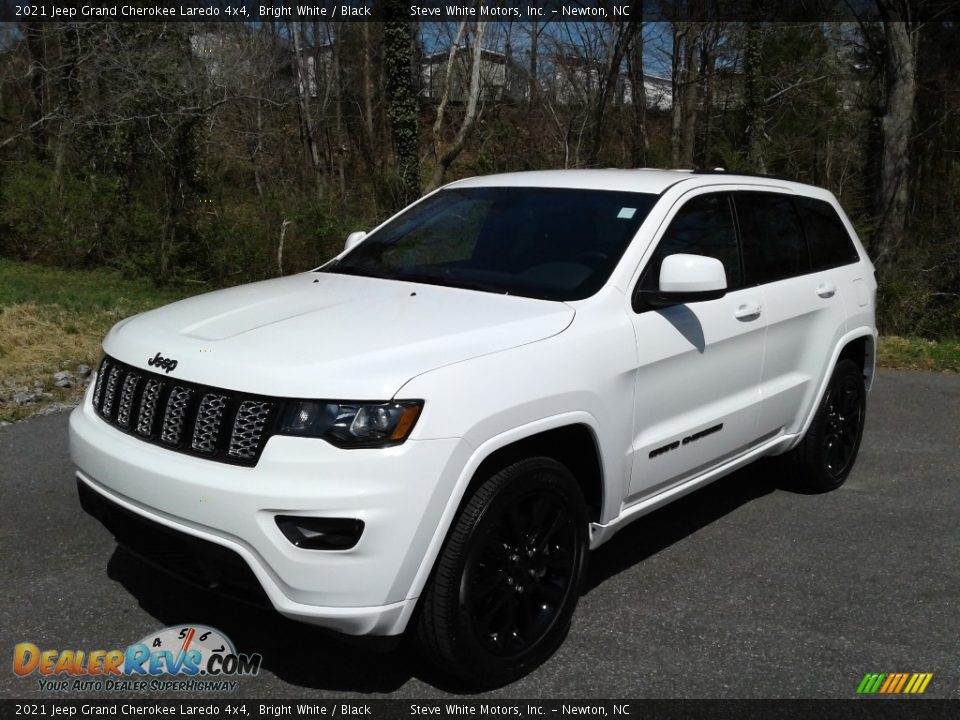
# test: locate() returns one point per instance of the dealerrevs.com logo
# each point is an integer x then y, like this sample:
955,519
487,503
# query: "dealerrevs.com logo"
200,658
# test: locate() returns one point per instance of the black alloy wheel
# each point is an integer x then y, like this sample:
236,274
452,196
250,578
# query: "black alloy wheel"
520,572
844,408
508,578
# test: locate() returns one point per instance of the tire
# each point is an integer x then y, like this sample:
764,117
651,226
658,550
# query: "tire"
825,456
508,577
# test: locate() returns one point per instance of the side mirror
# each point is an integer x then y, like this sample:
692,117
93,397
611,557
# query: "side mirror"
353,239
688,279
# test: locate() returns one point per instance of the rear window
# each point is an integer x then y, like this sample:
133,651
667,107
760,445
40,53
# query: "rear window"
830,244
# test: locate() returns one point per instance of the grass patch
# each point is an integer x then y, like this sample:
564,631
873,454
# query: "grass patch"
53,319
919,354
82,290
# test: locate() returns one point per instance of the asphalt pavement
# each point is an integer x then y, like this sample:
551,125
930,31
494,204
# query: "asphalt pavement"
745,589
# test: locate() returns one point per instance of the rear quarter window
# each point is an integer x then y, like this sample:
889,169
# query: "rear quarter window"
827,237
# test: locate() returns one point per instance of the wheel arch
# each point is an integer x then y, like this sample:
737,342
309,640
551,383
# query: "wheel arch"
574,446
861,350
570,438
858,345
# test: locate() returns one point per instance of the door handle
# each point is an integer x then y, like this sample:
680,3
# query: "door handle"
748,311
826,290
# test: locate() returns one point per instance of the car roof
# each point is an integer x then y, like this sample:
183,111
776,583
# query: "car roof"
644,180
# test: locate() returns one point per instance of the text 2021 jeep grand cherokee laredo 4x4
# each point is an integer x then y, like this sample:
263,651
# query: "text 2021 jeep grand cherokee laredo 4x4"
433,428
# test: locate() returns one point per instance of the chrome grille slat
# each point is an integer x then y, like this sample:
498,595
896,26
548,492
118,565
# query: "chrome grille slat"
208,422
248,428
127,391
148,406
207,428
110,391
175,414
98,388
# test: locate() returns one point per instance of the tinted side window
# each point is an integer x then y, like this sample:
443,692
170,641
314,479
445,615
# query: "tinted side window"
830,245
703,226
772,237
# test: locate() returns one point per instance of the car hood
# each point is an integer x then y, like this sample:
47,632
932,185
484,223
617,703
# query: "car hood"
326,335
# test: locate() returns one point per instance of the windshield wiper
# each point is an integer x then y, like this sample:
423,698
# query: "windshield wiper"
352,270
425,278
448,281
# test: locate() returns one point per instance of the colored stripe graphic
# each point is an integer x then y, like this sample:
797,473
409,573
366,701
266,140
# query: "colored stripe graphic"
894,683
871,683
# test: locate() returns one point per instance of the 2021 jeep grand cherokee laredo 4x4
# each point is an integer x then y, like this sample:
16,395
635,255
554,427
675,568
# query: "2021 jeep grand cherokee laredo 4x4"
433,428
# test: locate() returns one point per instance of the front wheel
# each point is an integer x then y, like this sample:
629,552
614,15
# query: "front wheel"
508,578
825,456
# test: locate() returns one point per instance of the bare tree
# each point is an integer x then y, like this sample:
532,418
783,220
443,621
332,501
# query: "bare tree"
306,79
537,28
640,145
896,128
754,105
445,155
623,34
685,78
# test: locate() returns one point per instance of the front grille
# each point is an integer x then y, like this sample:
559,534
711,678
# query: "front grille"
208,422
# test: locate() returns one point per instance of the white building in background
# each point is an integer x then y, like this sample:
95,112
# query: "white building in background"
576,80
500,77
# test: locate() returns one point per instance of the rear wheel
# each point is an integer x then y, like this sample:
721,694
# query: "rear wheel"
508,578
828,451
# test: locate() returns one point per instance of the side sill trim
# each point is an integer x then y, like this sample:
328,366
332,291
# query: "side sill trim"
600,533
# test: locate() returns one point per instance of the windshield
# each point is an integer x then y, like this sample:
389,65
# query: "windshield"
556,244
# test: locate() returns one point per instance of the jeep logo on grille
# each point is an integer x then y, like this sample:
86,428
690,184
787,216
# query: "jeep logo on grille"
168,364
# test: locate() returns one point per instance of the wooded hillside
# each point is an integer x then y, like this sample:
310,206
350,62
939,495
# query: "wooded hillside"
217,153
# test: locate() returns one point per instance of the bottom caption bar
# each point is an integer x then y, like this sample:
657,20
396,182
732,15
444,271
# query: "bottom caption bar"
934,709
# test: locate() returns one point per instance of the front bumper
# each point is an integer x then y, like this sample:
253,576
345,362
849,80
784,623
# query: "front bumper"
399,493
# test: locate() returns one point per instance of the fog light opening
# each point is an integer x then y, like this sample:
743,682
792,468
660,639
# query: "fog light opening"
313,533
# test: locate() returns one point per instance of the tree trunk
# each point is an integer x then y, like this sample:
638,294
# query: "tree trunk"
534,38
680,31
255,152
367,84
303,104
690,100
709,68
640,143
339,144
753,105
445,94
896,129
624,35
403,104
35,34
446,158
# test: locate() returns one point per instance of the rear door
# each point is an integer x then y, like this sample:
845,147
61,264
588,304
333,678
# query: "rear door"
804,312
697,382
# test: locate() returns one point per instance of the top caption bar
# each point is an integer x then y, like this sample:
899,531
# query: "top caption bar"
459,10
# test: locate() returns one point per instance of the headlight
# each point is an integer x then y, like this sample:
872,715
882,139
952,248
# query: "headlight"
350,424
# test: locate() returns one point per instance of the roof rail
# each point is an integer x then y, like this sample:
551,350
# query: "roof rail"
722,171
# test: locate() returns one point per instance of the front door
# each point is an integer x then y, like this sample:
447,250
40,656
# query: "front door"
697,394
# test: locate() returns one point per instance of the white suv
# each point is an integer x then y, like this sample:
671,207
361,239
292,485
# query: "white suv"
434,428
